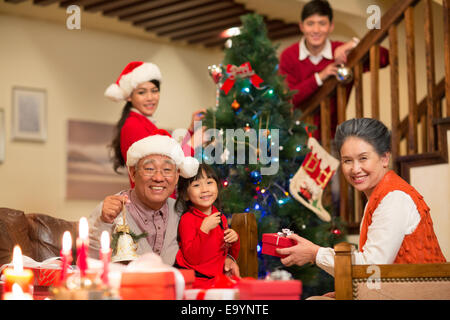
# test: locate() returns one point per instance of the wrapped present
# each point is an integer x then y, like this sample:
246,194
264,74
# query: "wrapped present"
46,277
211,294
147,286
272,241
148,278
223,288
252,289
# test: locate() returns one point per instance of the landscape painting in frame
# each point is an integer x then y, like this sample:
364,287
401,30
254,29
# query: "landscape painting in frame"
90,173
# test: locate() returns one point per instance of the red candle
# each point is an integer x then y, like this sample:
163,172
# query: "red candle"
82,245
66,255
105,255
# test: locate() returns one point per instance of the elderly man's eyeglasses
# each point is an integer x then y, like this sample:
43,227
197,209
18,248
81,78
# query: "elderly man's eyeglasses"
150,171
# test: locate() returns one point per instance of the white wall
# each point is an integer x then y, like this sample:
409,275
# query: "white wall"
432,182
75,67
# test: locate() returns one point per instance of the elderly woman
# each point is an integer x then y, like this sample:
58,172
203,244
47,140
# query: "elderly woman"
397,226
139,85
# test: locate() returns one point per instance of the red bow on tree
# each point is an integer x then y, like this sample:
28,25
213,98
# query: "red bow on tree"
243,71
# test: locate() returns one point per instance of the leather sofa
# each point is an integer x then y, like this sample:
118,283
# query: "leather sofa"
38,235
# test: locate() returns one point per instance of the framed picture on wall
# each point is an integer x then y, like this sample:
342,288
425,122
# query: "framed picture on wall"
28,114
2,135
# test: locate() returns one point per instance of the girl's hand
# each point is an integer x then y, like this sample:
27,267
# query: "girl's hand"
231,236
210,222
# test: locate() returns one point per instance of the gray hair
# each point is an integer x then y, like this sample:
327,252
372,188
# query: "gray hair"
370,130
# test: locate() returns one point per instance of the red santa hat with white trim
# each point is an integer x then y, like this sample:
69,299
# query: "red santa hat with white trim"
135,73
162,143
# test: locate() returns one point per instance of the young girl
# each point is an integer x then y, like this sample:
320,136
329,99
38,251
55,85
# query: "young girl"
204,236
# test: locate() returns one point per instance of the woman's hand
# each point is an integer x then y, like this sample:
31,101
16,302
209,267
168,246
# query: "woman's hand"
197,116
303,252
210,222
230,236
112,207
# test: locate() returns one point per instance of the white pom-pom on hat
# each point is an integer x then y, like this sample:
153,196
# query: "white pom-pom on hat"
162,145
135,73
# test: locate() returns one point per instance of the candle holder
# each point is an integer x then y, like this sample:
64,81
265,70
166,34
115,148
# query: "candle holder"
78,287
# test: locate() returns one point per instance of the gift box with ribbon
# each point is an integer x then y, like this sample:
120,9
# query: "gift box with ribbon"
223,288
277,287
147,286
272,241
148,278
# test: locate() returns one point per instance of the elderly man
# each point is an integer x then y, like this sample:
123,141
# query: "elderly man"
155,164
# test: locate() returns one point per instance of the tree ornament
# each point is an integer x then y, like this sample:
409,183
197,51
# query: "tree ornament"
255,176
310,180
216,74
124,242
247,127
344,74
242,71
235,105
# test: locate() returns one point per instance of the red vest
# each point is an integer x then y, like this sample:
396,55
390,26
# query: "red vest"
421,246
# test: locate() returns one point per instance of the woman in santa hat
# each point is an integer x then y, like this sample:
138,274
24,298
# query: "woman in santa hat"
139,85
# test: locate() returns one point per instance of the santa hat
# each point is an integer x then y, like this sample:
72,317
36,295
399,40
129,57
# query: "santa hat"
162,143
135,73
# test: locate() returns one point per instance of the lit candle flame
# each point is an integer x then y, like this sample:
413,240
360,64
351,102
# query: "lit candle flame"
17,290
67,242
104,240
17,260
83,230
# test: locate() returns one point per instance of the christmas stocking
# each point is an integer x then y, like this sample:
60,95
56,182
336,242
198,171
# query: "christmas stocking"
310,180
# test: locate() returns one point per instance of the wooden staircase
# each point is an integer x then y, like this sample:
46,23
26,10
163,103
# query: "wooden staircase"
430,117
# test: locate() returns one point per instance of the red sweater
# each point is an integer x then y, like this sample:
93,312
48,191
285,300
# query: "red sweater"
421,246
300,77
203,252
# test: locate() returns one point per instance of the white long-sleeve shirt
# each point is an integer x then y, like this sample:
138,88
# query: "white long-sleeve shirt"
395,217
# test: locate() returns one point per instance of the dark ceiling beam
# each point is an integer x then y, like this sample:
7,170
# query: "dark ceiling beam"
44,2
201,19
202,36
151,23
67,3
109,5
288,31
222,23
135,7
166,10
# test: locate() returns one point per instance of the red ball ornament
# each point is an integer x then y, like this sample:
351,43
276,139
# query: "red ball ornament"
337,232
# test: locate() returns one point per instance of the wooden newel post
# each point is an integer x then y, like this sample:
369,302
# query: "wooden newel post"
343,271
245,225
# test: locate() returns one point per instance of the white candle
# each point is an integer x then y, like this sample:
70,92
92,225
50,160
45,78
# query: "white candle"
105,255
17,275
17,294
66,254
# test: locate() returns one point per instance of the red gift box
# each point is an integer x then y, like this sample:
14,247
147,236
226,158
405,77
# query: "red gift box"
252,289
147,286
46,277
271,241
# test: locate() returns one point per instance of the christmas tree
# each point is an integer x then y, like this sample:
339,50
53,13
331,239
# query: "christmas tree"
255,101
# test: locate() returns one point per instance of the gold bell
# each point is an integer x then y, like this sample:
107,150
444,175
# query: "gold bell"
126,246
